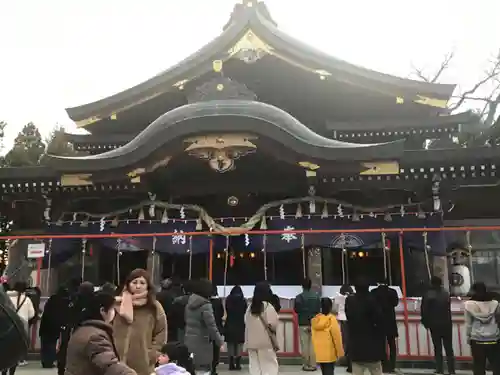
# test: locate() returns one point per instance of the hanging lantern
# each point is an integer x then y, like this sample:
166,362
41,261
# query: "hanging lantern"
114,222
388,217
340,211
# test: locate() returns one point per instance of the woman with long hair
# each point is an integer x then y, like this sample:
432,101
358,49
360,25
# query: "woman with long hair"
482,316
91,348
234,328
140,327
260,332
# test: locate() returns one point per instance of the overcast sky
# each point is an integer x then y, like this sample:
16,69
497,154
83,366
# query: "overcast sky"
59,53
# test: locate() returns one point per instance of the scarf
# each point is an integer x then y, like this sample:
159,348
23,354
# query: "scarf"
127,303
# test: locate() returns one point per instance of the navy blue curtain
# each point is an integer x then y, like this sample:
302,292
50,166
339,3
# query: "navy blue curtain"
180,243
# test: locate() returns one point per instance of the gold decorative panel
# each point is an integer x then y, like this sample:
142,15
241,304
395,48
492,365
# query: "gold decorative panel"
250,48
76,179
222,150
380,168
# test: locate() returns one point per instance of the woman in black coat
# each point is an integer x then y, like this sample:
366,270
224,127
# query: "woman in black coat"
234,329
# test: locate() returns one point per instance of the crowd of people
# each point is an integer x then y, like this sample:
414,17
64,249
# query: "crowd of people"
180,330
364,329
134,330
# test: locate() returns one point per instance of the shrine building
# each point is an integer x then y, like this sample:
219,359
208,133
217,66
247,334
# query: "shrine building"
247,153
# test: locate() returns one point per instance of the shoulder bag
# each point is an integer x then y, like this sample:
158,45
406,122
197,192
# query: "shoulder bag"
270,332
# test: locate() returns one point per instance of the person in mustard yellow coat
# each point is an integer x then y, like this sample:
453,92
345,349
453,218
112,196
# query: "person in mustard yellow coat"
326,338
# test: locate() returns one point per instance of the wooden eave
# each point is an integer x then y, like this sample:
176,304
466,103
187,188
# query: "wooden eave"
454,167
438,122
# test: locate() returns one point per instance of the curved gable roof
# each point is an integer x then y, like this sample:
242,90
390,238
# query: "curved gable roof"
254,16
254,117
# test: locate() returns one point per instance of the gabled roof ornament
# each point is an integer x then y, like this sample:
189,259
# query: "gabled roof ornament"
244,11
250,48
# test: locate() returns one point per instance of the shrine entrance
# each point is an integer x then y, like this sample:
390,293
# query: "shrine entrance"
178,265
114,267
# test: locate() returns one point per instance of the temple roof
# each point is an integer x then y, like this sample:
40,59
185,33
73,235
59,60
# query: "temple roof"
216,116
251,27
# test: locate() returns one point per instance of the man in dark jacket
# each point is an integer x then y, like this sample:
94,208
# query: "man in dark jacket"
307,304
170,290
388,300
175,316
436,316
366,332
50,326
73,309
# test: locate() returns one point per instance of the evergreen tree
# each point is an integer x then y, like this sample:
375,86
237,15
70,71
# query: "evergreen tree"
28,148
3,125
58,144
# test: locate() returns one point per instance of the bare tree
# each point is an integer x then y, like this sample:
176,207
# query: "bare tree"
434,77
490,103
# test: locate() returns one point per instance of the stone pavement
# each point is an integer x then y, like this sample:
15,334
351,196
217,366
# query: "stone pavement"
33,368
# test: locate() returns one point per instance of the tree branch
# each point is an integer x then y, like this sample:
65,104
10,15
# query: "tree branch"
435,77
491,74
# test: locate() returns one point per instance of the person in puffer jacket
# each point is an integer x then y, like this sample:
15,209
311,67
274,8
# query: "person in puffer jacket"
482,315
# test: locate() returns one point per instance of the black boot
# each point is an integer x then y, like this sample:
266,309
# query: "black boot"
231,364
238,363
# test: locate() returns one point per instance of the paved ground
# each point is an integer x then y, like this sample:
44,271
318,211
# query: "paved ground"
33,368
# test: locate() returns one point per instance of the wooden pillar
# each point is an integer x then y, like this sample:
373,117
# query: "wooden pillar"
49,284
154,267
314,268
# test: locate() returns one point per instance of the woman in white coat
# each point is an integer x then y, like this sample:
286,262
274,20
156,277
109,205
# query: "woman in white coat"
23,307
261,321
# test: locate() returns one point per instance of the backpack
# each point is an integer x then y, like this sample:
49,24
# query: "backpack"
486,329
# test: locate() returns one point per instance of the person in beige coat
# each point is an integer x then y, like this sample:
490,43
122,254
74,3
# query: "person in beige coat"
140,327
261,324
